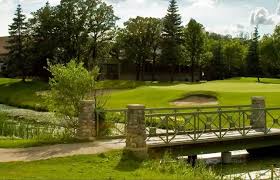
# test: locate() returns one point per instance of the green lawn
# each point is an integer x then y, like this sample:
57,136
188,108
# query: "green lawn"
14,92
112,165
235,91
24,143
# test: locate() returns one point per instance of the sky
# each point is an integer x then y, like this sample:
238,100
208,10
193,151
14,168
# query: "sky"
220,16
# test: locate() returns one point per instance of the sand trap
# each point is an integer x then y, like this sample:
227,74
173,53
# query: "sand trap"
196,100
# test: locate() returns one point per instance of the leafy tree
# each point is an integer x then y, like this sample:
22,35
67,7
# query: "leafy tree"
215,67
100,24
194,39
234,53
140,41
43,33
253,59
17,57
70,84
172,38
269,52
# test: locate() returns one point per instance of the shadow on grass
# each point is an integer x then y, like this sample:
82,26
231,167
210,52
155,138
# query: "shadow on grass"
128,162
23,94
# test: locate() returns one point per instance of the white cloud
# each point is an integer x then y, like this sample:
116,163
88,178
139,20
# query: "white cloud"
219,15
278,9
261,16
233,29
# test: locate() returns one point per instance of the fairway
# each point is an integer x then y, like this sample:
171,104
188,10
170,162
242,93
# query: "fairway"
237,91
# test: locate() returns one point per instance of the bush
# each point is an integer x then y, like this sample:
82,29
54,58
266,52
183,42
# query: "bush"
70,84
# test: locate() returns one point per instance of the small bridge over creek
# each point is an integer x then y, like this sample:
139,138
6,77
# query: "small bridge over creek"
189,131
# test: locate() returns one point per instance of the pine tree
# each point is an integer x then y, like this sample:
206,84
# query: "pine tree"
172,35
253,59
17,31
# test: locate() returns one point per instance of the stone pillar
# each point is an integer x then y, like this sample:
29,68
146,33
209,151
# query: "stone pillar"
226,157
136,131
87,124
258,117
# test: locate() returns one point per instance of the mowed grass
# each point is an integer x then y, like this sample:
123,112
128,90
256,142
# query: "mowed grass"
14,92
113,165
25,143
235,91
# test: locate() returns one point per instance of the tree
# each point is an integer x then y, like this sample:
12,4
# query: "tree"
140,41
43,33
215,66
194,43
269,52
172,38
100,24
253,59
234,53
17,57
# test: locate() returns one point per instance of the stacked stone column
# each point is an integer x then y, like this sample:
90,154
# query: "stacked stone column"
258,118
87,124
136,131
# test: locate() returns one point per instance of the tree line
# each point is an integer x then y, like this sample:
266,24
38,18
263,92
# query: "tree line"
86,30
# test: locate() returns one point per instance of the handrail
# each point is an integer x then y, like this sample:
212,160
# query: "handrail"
179,108
210,112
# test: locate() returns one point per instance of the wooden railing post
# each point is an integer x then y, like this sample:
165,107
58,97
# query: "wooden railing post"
258,117
136,131
87,124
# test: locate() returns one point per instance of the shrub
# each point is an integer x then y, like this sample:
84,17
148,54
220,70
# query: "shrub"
70,84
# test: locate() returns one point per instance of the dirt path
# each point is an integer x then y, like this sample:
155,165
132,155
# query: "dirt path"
60,150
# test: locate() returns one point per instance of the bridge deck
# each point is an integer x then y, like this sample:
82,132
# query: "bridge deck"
154,142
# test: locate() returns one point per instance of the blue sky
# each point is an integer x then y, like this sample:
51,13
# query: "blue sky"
221,16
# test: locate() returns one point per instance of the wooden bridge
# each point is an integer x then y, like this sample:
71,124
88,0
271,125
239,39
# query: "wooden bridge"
198,130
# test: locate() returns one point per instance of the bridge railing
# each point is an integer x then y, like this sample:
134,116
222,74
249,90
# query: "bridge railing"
205,125
115,120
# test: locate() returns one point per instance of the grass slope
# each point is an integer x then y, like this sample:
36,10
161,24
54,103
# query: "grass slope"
14,92
113,165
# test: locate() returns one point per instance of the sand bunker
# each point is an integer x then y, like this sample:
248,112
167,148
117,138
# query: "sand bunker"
196,100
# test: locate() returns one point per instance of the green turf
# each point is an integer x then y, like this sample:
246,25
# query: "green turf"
235,91
25,143
113,165
22,94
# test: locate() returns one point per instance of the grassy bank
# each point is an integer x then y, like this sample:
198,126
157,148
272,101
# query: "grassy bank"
14,92
113,166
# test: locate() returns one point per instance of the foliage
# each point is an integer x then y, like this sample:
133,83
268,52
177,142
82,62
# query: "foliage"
270,56
18,64
253,59
70,84
194,38
140,41
172,38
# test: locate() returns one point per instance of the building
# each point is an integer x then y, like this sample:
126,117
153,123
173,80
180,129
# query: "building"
3,52
127,71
